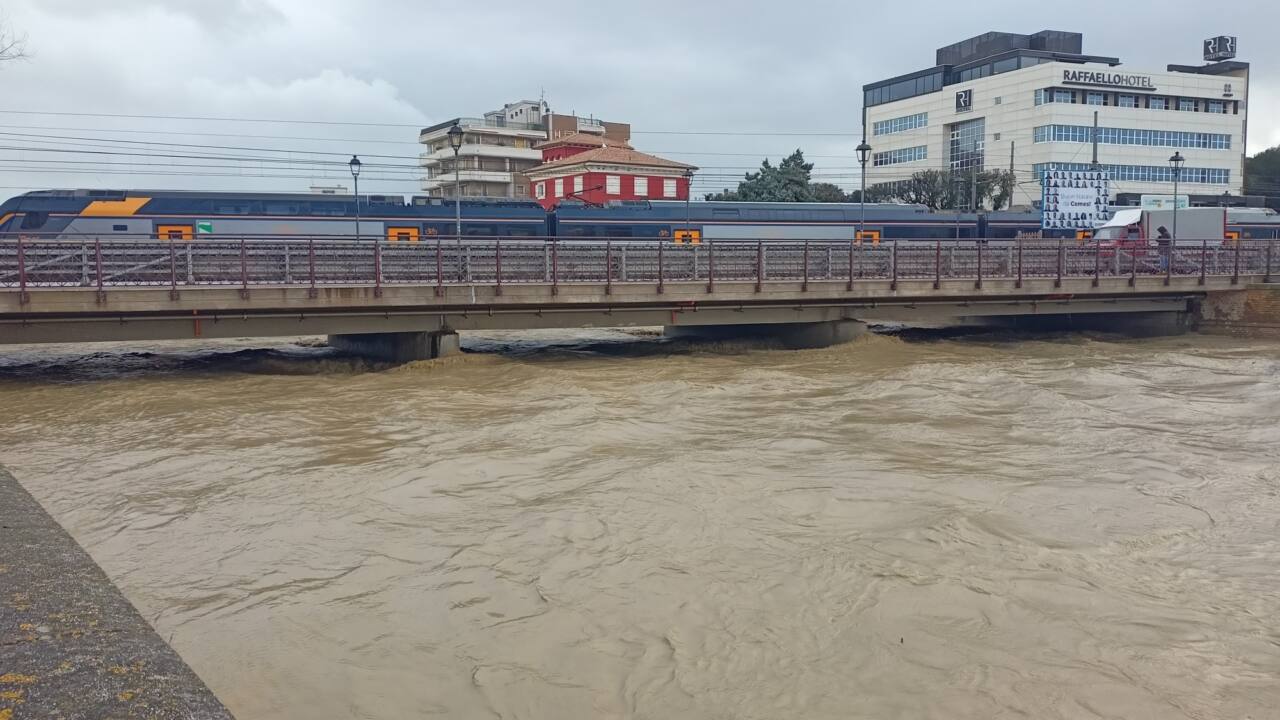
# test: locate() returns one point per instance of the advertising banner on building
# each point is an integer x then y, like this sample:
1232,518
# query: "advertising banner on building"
1073,199
1164,202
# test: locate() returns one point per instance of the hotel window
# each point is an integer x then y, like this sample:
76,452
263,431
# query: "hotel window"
669,188
612,185
1128,101
577,183
1095,98
1158,103
1216,106
1064,96
1040,97
900,124
642,186
559,187
1186,105
540,190
899,156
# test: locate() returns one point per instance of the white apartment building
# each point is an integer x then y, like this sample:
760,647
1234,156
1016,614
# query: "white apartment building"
1027,102
495,151
498,148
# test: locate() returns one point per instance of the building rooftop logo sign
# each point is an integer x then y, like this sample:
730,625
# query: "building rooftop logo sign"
1108,79
964,100
1218,48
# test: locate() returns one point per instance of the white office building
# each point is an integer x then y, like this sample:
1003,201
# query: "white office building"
1027,102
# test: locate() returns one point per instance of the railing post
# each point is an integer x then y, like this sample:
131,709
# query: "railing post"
311,267
711,266
608,267
893,263
244,270
660,288
23,298
1267,277
850,285
1097,261
173,272
1235,274
97,250
1204,257
1058,281
191,266
978,285
497,265
439,267
555,266
759,264
804,286
937,264
84,264
1133,266
377,268
1018,283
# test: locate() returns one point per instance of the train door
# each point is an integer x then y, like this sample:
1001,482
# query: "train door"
175,232
871,236
693,236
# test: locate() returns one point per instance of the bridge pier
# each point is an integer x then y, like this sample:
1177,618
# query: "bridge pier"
795,336
398,347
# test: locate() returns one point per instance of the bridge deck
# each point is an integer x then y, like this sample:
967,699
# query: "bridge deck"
93,290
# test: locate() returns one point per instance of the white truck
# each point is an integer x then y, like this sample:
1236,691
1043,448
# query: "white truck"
1143,228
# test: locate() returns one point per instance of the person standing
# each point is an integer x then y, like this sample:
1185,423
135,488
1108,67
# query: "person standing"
1165,242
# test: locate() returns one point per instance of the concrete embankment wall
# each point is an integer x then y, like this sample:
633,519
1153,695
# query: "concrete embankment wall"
71,645
1253,312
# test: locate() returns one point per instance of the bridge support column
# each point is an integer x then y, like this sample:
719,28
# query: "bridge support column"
795,336
398,347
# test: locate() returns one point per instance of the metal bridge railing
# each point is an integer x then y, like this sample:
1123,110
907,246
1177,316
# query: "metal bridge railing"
246,262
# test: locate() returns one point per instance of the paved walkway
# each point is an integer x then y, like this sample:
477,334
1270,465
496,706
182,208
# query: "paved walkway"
71,645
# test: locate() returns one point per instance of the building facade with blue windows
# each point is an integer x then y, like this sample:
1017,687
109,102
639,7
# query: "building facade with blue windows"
1027,102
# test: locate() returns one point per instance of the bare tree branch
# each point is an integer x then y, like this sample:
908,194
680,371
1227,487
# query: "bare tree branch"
12,45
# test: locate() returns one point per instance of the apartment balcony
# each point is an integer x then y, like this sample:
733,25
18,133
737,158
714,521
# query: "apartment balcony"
483,125
467,176
428,159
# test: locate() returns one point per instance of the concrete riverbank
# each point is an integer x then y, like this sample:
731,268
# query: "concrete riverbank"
71,645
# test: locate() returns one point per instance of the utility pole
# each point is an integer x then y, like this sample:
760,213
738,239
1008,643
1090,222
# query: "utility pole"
1095,163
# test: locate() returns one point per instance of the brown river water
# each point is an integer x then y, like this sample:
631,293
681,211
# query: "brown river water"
598,524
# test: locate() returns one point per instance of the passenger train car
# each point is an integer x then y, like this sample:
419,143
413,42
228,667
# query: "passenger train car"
78,214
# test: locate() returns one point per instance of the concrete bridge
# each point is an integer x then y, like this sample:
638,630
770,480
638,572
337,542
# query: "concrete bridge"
401,301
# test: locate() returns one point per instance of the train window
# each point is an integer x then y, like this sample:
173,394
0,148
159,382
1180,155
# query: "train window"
724,212
34,220
120,228
272,208
479,229
332,209
233,209
521,230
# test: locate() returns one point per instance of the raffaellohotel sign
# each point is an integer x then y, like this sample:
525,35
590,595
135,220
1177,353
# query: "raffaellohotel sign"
1141,83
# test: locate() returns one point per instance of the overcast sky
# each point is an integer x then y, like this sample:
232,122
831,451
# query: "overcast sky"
772,76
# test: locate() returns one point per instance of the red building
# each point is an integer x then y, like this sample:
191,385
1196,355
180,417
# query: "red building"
596,170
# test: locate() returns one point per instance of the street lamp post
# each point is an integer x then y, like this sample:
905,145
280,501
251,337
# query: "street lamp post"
864,152
1175,162
688,193
455,142
355,176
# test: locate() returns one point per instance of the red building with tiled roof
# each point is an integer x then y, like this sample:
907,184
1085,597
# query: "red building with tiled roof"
597,170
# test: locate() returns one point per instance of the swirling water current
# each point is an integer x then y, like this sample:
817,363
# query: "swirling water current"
599,524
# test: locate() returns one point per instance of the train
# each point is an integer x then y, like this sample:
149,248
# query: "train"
186,215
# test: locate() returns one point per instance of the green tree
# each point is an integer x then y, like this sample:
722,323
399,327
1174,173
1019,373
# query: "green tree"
787,182
828,192
1262,176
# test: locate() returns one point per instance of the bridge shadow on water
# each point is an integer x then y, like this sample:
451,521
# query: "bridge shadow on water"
313,356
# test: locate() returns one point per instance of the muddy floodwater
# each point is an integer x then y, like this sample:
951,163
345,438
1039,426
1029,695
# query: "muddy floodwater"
598,524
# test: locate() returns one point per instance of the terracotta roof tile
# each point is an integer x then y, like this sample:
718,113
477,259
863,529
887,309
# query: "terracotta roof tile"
623,155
